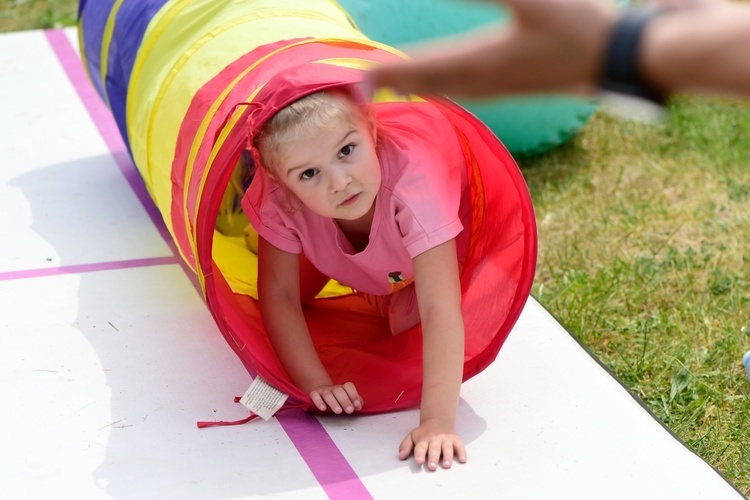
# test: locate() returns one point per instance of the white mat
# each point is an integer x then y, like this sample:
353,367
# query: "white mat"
108,357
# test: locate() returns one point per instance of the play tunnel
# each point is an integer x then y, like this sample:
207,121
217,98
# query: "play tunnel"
182,77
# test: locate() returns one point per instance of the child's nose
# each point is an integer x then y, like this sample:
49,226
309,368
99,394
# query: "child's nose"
340,178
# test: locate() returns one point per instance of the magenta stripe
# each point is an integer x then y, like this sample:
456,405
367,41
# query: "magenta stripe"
320,453
317,449
107,127
104,121
88,268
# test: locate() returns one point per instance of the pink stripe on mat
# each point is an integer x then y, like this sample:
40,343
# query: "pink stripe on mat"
105,123
317,449
88,268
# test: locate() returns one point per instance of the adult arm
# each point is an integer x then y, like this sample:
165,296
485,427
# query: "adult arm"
439,299
549,45
281,311
560,45
702,49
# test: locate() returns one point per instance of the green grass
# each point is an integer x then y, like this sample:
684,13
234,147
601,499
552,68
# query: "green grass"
16,15
643,255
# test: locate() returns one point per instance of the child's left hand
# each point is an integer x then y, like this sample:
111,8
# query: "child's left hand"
431,440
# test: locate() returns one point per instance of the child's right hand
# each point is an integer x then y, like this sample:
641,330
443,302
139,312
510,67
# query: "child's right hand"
337,397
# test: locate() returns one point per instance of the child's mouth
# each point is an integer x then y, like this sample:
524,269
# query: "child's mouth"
350,200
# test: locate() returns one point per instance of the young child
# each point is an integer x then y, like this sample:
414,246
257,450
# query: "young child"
377,199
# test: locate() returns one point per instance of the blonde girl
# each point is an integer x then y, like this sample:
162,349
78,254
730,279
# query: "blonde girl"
370,198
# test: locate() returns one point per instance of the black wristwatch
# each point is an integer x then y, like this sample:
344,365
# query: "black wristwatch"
621,69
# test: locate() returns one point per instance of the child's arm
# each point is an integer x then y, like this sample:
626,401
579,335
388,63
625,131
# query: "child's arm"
439,298
281,310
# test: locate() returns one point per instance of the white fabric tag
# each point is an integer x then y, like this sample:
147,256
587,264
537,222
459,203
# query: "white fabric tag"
263,399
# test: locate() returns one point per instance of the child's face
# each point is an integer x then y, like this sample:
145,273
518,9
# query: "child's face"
335,173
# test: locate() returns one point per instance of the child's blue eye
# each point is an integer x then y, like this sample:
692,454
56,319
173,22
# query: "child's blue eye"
307,174
346,150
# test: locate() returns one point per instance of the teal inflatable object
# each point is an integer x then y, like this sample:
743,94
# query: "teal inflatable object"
527,126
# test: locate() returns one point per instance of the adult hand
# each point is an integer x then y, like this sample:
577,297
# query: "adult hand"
550,45
685,4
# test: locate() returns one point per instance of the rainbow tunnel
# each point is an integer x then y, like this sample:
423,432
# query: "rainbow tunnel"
175,74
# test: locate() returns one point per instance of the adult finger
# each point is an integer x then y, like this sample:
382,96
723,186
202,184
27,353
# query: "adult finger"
463,72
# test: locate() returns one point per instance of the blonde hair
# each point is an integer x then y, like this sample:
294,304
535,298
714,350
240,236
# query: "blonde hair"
304,117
